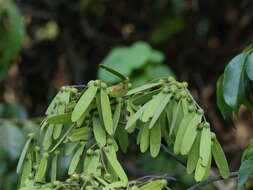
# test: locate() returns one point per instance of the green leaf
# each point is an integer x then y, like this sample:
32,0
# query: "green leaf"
143,87
106,112
26,171
116,73
41,172
190,134
193,156
220,159
144,138
205,145
99,132
152,106
158,71
116,116
235,81
154,185
12,32
155,139
159,110
75,160
23,155
245,171
59,119
70,148
134,118
249,67
83,103
12,140
181,131
122,137
112,158
54,168
166,29
225,110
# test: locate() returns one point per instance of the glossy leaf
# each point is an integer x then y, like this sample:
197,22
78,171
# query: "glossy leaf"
226,111
244,172
249,67
234,81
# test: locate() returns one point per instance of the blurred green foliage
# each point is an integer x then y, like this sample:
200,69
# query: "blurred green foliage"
13,131
139,62
11,34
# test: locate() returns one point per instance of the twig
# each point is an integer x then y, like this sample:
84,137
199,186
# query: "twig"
211,180
175,157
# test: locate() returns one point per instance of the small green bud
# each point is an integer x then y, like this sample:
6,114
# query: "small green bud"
200,111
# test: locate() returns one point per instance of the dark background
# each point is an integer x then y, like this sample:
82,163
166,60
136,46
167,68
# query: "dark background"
66,40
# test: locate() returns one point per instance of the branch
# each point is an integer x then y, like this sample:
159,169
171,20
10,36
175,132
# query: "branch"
175,157
211,180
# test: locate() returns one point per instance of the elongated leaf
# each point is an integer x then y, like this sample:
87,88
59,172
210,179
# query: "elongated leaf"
244,173
220,159
234,81
142,88
62,138
116,116
155,140
93,165
23,155
57,131
144,138
122,137
154,185
54,168
176,116
83,103
59,119
133,119
159,110
80,134
47,142
116,73
51,106
181,131
249,67
41,172
225,110
205,146
99,132
200,171
75,160
70,148
106,112
26,171
190,134
152,106
112,158
113,185
193,156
